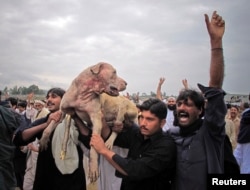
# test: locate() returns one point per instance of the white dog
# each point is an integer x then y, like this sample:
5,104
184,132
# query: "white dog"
83,98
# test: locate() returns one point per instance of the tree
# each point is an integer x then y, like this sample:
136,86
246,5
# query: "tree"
33,88
22,90
152,94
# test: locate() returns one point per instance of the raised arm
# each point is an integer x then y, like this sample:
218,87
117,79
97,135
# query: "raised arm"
216,28
158,90
185,83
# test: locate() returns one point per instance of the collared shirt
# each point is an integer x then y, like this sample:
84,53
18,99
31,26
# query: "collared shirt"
150,163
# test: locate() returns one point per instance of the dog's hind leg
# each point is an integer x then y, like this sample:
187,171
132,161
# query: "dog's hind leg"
66,137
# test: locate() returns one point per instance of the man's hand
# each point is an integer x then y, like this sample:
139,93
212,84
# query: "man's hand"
215,27
161,81
30,96
98,143
32,147
56,116
185,83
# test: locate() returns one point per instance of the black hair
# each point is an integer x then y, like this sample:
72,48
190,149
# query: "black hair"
245,105
58,91
195,96
22,104
235,106
228,106
155,106
5,103
13,101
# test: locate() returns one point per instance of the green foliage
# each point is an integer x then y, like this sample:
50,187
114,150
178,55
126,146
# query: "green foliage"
152,94
22,90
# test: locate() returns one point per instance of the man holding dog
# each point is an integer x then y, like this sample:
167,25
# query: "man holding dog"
50,171
200,147
150,163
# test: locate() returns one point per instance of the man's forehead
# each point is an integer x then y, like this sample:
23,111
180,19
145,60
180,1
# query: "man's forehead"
185,100
147,113
52,94
171,99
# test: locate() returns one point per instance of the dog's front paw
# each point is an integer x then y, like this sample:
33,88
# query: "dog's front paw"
109,143
93,172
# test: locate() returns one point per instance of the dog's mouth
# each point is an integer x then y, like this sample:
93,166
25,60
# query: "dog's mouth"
113,91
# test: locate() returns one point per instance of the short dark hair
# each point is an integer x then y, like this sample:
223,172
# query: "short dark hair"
22,104
245,105
13,101
5,103
235,106
155,106
195,96
58,91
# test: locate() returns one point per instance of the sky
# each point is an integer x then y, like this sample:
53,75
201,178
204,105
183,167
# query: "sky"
48,43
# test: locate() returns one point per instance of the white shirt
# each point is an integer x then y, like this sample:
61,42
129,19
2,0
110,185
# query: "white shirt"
169,120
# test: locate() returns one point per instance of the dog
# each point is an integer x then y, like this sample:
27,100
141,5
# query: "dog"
83,98
118,110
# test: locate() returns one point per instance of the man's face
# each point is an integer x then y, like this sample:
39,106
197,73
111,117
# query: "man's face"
233,112
20,108
149,123
187,112
171,103
53,102
38,106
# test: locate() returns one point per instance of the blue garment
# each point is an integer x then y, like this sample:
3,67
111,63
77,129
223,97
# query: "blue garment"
242,151
242,155
244,133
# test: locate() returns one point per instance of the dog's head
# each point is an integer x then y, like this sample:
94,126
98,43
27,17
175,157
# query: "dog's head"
108,79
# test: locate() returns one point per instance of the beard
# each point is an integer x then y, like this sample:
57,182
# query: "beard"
172,107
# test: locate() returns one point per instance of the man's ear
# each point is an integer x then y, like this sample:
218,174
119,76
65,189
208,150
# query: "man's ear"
201,112
163,122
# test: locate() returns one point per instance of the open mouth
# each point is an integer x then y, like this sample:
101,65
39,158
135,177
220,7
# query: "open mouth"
113,91
183,116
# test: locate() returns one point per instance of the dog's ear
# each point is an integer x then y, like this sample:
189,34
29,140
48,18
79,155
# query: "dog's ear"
96,68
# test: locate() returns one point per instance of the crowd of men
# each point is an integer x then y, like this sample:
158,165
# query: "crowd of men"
165,151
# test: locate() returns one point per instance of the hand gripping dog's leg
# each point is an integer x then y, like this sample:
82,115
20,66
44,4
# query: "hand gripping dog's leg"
43,142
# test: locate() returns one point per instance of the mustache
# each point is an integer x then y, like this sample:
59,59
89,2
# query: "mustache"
50,103
143,127
182,113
